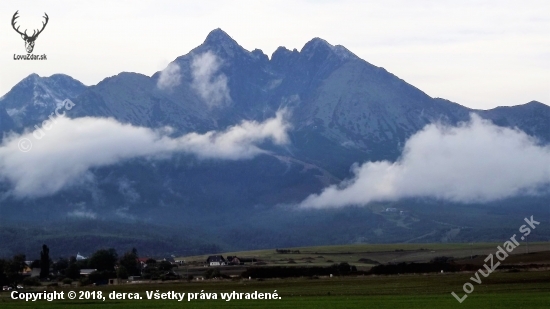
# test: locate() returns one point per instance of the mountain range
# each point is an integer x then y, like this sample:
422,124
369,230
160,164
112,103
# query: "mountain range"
341,110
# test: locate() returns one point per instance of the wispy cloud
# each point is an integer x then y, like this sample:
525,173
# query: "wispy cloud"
208,82
126,189
73,146
476,161
82,212
170,77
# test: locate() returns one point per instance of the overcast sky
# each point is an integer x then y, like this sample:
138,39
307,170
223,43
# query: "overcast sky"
480,54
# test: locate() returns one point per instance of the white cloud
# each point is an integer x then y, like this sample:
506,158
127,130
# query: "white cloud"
170,77
72,146
209,84
473,162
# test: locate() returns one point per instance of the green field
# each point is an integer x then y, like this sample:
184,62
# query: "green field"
499,290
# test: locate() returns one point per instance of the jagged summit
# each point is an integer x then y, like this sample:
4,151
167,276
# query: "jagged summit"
218,36
318,45
536,103
53,79
35,97
258,53
281,50
221,43
31,78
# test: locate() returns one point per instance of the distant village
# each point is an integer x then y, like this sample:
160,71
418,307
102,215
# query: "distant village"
106,267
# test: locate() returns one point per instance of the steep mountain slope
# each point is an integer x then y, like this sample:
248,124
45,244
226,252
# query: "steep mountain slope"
133,98
6,122
34,98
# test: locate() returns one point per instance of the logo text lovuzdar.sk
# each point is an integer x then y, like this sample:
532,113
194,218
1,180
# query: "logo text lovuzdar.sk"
29,39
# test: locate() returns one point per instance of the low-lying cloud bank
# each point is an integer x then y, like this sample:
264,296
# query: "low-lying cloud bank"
476,161
72,146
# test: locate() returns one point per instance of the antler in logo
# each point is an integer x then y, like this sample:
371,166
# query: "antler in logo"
29,40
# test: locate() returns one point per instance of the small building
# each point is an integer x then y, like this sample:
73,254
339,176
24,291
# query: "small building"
143,261
115,281
216,260
87,271
233,260
27,271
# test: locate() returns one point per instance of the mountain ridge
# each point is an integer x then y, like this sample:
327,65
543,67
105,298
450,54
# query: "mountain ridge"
342,110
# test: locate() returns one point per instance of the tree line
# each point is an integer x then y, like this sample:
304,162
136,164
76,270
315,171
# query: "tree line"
106,262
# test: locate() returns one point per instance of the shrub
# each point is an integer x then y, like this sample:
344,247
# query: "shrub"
34,281
212,273
122,273
442,259
85,281
101,277
368,261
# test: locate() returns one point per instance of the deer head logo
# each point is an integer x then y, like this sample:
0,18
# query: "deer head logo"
29,40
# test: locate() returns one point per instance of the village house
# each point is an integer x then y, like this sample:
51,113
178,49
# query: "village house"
233,260
216,260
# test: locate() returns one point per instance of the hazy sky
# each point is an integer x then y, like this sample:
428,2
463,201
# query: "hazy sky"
480,54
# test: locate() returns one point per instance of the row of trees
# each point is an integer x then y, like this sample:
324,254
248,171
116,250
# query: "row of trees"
105,261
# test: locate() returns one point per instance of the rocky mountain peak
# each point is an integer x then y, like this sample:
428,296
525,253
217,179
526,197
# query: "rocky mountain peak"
219,36
319,46
221,43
